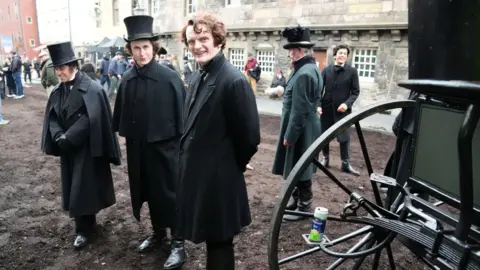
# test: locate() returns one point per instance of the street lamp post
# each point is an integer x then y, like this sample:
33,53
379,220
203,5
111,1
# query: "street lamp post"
69,21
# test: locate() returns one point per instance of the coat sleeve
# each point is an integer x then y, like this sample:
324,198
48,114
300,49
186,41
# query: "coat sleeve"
55,129
242,120
300,107
117,109
354,89
179,101
78,132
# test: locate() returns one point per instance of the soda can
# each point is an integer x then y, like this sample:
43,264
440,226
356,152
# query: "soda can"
318,225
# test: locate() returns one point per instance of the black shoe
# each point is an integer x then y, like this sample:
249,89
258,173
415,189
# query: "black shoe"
325,162
293,201
80,241
152,241
304,204
177,256
346,167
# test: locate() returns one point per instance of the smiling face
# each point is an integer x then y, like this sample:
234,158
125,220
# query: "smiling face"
64,73
142,51
341,56
201,43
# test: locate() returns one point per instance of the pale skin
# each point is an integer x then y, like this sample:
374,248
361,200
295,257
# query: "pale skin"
142,51
65,73
201,45
340,59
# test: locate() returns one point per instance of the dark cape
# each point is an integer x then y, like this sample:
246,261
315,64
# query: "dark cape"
84,116
149,114
221,135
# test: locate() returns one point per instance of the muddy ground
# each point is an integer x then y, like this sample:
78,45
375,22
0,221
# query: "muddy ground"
36,234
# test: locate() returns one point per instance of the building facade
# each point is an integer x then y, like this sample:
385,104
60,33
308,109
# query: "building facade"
18,28
66,20
376,31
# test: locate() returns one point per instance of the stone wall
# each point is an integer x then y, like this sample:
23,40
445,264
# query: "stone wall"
391,65
256,24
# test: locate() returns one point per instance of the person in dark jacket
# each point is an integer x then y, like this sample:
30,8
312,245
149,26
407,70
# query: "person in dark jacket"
221,135
300,124
16,68
149,114
89,69
77,128
277,87
341,91
187,69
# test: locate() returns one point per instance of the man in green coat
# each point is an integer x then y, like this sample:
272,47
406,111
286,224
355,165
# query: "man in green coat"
300,124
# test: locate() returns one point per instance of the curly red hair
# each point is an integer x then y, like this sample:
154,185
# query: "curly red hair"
212,22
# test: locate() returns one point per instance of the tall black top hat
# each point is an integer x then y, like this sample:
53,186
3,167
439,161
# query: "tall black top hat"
139,27
61,53
297,37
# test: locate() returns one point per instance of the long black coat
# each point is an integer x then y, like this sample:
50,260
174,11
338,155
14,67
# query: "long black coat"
221,135
341,86
85,118
149,114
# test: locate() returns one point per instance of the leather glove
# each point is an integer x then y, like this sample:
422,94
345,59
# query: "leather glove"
63,142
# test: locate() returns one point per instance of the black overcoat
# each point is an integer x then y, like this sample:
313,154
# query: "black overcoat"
341,86
149,114
221,135
85,118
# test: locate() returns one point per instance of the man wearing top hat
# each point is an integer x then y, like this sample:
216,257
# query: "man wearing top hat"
76,128
149,114
300,124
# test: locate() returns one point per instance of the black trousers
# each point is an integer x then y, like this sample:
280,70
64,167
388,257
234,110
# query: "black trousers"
85,225
327,120
220,255
159,230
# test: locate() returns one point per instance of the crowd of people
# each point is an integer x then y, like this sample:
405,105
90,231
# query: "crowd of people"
189,144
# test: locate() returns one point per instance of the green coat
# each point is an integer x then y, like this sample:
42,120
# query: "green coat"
300,124
49,77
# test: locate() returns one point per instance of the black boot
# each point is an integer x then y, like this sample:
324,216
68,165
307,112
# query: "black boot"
220,256
84,227
304,204
158,238
346,167
177,256
293,201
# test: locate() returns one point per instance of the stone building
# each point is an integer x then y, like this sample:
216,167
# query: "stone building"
376,31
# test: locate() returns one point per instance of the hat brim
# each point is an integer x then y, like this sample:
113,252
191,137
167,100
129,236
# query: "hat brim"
140,37
300,44
63,63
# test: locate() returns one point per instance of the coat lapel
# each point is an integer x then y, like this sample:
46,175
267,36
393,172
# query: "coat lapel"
203,93
75,100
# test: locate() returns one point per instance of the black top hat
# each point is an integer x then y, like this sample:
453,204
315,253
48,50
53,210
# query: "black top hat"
139,27
61,53
297,37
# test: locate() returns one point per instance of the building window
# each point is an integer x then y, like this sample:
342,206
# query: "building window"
32,42
232,3
266,58
237,58
365,61
155,6
115,12
29,19
190,6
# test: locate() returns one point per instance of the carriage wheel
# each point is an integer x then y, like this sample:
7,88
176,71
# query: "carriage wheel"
374,240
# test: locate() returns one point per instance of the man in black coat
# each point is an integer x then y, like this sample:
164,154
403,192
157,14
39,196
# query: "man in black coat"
77,129
341,91
149,114
221,135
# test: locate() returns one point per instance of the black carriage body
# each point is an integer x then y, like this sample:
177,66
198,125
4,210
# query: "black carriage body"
435,166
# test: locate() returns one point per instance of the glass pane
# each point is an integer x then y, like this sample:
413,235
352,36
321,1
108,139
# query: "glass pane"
361,73
362,59
374,59
374,52
362,66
